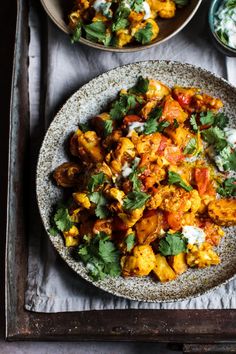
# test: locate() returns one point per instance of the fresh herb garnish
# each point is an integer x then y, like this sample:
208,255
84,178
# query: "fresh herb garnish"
193,123
152,125
100,256
219,120
77,33
108,127
175,178
190,147
207,118
95,181
227,188
175,123
101,210
130,241
135,200
215,137
173,244
96,31
122,106
53,231
141,86
84,127
144,35
62,219
121,17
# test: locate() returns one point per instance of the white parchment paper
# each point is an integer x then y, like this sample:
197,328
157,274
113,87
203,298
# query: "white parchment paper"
52,286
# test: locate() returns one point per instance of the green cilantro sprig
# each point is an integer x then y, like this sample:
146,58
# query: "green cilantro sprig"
108,127
96,180
122,106
144,35
227,188
130,241
152,125
135,200
175,178
101,210
191,146
100,256
193,123
173,244
96,32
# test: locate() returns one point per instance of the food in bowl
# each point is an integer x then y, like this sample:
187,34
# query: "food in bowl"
151,184
118,23
225,23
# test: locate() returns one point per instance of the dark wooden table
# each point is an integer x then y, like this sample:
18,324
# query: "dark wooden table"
206,331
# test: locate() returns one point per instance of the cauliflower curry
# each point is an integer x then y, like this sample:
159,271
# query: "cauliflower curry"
151,183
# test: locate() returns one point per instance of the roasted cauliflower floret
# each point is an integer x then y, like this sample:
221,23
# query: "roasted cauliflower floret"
71,236
166,9
140,263
67,174
162,269
131,218
82,199
86,146
116,194
123,37
223,211
201,256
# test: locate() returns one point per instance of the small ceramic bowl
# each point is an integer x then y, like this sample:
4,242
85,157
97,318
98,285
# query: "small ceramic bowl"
58,11
223,48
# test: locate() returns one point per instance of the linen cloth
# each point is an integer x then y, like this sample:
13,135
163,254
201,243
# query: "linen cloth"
51,285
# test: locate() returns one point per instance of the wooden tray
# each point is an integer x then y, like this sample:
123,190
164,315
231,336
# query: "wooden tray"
178,326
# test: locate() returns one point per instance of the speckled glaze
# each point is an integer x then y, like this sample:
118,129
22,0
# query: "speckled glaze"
91,99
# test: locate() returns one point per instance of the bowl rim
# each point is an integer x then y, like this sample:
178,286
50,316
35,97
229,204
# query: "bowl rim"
211,15
138,48
38,168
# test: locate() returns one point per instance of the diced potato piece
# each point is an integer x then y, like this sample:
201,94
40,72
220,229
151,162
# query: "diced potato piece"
178,263
66,175
180,136
141,263
201,256
223,211
71,236
82,199
149,227
87,146
131,218
156,90
172,110
162,269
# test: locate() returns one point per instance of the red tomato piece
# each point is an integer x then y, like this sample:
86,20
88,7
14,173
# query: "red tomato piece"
173,154
131,118
162,146
202,179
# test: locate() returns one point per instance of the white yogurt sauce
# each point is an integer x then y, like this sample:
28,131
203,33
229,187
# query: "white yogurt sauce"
126,170
147,10
194,234
98,4
230,135
137,126
225,22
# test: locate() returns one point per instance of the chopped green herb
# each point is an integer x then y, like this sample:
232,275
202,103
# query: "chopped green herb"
152,125
144,35
130,242
191,146
175,124
122,106
141,86
193,123
62,219
77,33
207,118
121,17
108,127
227,188
95,181
96,32
215,137
175,178
53,231
135,200
84,127
100,256
172,244
101,210
221,120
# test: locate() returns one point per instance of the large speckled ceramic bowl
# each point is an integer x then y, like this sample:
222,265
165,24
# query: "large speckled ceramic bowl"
58,11
91,99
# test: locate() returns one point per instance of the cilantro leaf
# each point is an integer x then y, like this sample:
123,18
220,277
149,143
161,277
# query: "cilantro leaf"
121,17
77,33
96,180
155,113
108,127
172,244
122,106
141,86
175,178
207,118
62,219
53,231
96,32
144,35
175,123
105,9
84,127
216,137
230,162
138,6
130,241
181,3
100,256
221,120
101,210
133,177
227,188
135,200
152,125
193,123
191,146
